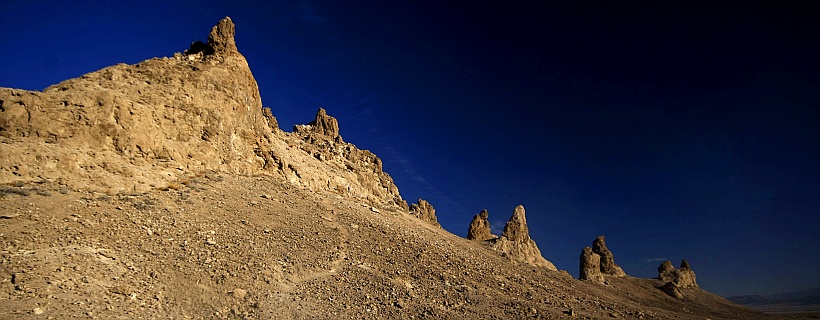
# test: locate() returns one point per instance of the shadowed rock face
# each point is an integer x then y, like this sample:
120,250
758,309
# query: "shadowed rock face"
424,211
515,243
480,227
682,278
590,266
672,290
608,265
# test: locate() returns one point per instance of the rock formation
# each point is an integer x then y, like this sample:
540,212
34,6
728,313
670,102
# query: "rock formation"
683,277
590,266
515,242
480,227
608,265
424,211
131,128
672,290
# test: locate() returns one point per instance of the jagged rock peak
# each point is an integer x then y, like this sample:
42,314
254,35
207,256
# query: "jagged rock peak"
590,266
325,124
221,38
666,266
682,278
516,228
424,211
480,227
608,265
515,242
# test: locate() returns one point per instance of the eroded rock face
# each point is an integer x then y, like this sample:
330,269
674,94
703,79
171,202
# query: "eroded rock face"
672,290
590,266
221,38
608,265
424,211
131,128
516,228
515,243
480,227
683,277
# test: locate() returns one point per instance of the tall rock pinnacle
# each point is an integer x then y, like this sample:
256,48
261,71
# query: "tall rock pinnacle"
221,38
515,242
480,227
590,266
516,228
608,265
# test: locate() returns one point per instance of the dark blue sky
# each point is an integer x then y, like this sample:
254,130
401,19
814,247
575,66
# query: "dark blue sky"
676,130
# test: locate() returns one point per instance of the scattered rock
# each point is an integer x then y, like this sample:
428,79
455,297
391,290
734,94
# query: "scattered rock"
590,266
480,227
608,266
239,293
424,211
38,311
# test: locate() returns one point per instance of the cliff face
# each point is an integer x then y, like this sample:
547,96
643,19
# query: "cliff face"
131,128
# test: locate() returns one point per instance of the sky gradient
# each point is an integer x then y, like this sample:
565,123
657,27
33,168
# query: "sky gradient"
675,130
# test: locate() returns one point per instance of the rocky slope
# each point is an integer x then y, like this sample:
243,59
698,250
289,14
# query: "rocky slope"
164,190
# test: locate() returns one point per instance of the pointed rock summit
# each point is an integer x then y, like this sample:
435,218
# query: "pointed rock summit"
133,128
480,228
424,211
221,38
608,265
515,242
516,228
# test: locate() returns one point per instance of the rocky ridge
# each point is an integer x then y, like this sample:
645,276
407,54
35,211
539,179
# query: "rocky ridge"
164,189
132,128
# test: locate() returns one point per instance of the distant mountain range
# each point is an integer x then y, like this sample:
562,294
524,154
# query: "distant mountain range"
796,301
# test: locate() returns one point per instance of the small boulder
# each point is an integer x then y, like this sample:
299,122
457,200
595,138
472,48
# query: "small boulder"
590,266
480,227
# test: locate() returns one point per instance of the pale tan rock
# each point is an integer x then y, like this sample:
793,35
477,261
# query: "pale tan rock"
515,243
682,278
480,227
608,266
132,128
424,211
590,269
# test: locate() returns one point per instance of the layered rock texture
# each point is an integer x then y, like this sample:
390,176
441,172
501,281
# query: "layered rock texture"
131,128
608,266
515,242
424,211
480,227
